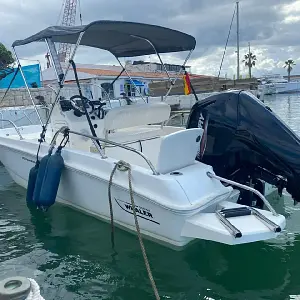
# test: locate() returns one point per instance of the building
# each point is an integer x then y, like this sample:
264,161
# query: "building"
101,80
144,66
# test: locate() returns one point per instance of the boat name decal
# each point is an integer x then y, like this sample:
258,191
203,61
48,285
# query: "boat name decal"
141,212
24,158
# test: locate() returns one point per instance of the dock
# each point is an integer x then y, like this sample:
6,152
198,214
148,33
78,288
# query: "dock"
202,85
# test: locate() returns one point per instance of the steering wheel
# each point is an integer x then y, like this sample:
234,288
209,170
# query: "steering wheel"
79,111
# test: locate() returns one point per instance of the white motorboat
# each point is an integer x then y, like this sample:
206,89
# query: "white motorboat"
110,154
277,84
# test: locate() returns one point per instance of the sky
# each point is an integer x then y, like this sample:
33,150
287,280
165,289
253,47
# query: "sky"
271,27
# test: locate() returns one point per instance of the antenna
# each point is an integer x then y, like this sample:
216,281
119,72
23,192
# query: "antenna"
68,19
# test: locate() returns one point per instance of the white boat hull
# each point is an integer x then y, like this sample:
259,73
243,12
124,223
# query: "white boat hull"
155,221
289,87
279,88
162,212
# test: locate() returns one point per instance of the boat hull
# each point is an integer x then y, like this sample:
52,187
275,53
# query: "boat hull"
172,210
87,191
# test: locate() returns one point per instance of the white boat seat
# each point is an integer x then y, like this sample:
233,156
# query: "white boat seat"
136,115
178,150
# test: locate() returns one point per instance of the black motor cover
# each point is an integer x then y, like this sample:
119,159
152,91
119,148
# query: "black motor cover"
244,134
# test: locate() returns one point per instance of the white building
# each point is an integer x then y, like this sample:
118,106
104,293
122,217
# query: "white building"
93,77
145,66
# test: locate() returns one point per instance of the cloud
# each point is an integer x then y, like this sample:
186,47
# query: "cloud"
270,25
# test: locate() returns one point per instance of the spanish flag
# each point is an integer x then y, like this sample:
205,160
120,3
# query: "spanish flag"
186,84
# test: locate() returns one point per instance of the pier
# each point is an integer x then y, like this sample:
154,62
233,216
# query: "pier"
203,85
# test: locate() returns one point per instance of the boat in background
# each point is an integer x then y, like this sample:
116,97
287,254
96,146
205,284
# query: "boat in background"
277,84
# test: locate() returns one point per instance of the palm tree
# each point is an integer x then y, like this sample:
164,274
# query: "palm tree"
289,63
249,60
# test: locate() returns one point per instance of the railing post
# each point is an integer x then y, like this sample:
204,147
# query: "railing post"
14,125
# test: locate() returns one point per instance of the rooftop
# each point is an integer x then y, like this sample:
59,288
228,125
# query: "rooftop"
107,71
141,62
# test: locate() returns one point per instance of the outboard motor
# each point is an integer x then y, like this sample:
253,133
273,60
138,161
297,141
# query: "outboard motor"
246,142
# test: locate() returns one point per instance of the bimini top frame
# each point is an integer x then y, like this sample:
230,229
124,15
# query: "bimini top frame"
122,39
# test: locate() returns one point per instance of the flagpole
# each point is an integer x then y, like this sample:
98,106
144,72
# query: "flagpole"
186,73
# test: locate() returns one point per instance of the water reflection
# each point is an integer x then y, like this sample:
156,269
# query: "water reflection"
70,254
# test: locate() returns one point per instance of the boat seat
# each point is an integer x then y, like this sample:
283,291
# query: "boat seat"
136,115
135,134
178,150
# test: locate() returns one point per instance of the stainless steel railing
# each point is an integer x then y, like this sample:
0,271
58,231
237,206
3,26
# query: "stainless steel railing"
176,114
1,114
247,188
65,128
14,125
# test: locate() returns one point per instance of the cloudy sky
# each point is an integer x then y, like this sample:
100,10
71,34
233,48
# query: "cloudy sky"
271,26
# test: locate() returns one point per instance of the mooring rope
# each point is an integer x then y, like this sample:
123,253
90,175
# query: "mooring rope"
126,167
34,291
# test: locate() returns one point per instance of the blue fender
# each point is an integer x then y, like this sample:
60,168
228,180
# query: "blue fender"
31,182
40,177
51,179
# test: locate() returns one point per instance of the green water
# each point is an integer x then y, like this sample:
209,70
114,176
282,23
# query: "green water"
69,254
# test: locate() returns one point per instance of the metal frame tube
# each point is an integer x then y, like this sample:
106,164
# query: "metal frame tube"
103,90
121,146
178,74
27,117
274,227
247,188
182,113
46,41
139,37
158,55
1,114
40,66
15,126
52,88
117,77
130,79
64,78
230,227
26,85
93,138
172,82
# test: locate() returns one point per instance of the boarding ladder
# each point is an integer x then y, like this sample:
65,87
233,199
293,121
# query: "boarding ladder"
226,213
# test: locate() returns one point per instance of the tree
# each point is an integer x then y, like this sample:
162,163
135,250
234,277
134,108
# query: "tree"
250,60
6,60
288,64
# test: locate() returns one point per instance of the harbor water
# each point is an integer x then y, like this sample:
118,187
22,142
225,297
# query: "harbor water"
70,255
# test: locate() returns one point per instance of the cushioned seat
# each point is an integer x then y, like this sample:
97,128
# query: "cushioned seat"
178,150
136,115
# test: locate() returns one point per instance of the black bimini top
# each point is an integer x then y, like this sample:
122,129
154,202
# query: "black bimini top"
118,37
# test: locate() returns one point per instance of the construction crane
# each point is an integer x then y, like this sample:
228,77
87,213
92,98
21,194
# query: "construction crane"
68,19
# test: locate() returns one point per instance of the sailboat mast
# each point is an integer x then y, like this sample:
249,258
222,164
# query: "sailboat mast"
237,40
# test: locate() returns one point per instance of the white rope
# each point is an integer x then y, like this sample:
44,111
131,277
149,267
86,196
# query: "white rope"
126,167
35,291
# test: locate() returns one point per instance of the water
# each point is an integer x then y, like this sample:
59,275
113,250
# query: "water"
70,255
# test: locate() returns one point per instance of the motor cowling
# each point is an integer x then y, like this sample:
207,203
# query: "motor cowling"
245,139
